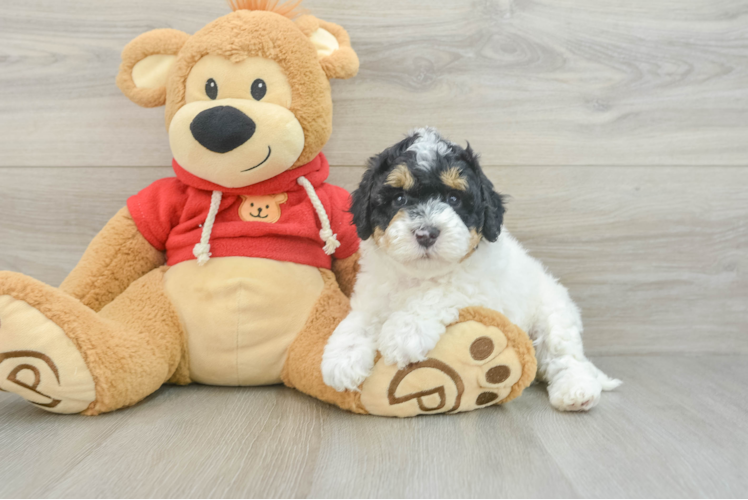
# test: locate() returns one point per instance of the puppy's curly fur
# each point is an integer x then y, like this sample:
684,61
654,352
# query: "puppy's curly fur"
433,244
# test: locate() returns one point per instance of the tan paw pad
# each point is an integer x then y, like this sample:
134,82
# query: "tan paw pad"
39,362
472,366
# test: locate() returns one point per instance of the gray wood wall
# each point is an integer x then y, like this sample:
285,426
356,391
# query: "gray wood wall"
618,128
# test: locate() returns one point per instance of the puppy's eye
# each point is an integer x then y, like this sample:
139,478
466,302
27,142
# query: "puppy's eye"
259,89
400,201
211,89
454,200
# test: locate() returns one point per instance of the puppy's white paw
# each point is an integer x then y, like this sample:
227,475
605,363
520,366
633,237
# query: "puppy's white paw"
574,391
345,365
407,339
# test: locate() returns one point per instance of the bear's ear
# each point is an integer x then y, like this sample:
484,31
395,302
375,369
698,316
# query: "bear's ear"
281,198
146,62
333,45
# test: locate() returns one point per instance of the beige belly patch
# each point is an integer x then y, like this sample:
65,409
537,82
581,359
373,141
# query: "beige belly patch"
240,315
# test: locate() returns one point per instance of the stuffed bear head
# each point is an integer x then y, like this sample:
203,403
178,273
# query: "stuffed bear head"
248,96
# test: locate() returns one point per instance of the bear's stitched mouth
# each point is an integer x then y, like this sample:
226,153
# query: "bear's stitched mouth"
258,216
259,164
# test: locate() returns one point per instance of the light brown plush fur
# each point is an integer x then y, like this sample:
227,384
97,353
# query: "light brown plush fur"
289,9
132,346
302,370
346,271
116,257
344,62
245,34
162,41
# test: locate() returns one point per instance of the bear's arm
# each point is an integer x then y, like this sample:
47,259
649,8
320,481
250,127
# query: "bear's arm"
345,271
116,257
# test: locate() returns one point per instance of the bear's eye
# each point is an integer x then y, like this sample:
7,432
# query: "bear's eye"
259,89
211,89
400,201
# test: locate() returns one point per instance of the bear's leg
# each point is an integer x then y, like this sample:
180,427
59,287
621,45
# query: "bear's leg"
481,360
63,357
302,369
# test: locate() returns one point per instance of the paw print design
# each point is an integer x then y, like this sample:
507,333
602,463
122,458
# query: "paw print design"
39,362
27,376
474,365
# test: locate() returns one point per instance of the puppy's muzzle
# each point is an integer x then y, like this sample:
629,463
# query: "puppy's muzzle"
427,236
222,129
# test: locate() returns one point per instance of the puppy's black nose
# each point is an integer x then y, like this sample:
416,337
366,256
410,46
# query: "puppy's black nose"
222,129
427,236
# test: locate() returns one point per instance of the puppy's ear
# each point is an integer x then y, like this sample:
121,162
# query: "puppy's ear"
493,212
361,202
377,166
492,202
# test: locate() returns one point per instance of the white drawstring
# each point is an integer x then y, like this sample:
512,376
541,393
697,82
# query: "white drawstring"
202,249
330,239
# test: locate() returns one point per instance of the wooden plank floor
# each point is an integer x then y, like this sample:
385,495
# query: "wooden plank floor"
674,429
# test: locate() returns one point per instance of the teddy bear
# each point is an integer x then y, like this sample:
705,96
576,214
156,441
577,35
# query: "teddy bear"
235,271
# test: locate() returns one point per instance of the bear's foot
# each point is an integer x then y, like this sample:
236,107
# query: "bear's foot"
480,361
38,361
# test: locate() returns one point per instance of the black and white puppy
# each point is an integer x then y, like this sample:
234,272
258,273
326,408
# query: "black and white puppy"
433,243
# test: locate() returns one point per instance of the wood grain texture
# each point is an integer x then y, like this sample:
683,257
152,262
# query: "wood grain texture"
662,434
541,82
655,257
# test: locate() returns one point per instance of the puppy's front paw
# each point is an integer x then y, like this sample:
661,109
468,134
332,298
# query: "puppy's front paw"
574,391
407,339
346,365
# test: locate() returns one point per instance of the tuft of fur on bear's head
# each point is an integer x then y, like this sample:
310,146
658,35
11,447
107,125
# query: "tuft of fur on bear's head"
247,96
426,201
287,9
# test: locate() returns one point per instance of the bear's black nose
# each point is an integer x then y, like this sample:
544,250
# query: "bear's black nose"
222,129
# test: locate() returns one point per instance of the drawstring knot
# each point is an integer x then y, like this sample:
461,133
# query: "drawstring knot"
201,251
330,239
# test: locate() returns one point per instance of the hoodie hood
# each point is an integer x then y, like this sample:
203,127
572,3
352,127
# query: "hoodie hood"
316,172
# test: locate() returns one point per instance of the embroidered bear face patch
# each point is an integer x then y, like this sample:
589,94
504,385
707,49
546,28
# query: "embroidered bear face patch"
262,208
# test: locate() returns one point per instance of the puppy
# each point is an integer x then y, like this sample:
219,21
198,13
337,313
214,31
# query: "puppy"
433,243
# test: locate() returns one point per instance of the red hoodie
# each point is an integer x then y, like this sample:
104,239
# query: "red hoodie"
170,214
